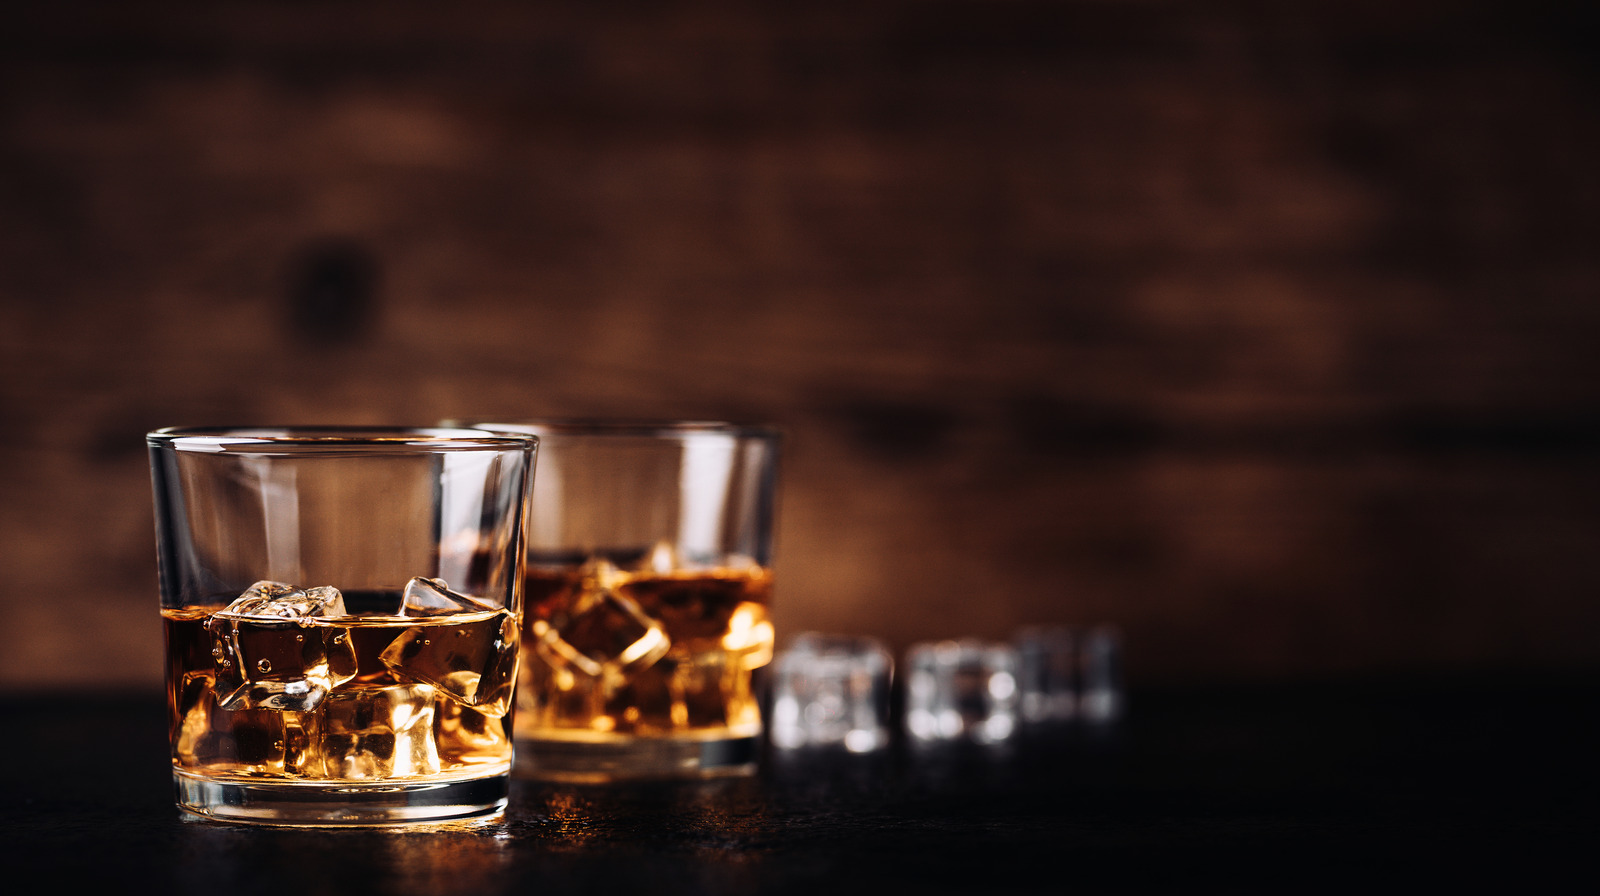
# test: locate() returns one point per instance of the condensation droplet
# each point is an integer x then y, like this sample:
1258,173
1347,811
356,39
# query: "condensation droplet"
264,665
426,642
299,637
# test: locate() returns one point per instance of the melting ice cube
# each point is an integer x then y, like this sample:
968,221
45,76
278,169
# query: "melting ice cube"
600,630
462,646
275,648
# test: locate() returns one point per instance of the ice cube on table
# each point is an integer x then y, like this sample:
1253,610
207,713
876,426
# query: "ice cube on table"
602,632
832,690
277,648
1100,691
961,690
1047,673
462,646
377,732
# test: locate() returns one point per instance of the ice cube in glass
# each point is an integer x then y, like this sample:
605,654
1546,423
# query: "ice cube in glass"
469,653
378,731
276,648
603,631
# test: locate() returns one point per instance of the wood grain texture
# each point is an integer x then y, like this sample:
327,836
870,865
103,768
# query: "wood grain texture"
1264,331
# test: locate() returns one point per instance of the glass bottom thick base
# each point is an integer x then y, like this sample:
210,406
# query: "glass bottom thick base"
634,759
328,804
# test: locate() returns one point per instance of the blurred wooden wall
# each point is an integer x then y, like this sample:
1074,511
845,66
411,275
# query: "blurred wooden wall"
1265,331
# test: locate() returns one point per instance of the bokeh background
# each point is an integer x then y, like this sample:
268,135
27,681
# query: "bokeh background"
1265,331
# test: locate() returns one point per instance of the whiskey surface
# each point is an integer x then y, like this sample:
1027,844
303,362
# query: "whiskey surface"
406,698
609,653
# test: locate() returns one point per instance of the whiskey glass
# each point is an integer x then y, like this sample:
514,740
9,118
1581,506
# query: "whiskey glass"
341,609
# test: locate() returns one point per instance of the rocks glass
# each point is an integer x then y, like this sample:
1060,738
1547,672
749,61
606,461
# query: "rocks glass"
342,619
648,580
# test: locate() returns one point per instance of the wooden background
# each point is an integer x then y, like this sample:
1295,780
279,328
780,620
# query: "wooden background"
1265,331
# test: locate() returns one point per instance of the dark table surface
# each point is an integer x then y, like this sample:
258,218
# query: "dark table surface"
1468,781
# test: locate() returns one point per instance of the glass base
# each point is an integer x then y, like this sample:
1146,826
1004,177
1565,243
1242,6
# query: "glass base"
633,759
328,804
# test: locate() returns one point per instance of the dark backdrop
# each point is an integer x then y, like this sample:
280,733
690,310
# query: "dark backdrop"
1265,331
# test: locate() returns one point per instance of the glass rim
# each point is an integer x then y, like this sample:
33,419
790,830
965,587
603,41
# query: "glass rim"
637,428
298,439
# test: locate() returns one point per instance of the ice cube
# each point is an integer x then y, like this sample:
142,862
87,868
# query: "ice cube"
246,741
649,701
712,688
1047,677
961,690
832,689
468,737
683,690
555,695
749,636
275,600
432,597
378,731
1100,691
601,631
195,742
275,648
463,647
700,688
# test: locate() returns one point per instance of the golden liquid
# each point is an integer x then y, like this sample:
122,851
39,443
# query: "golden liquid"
446,714
580,682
